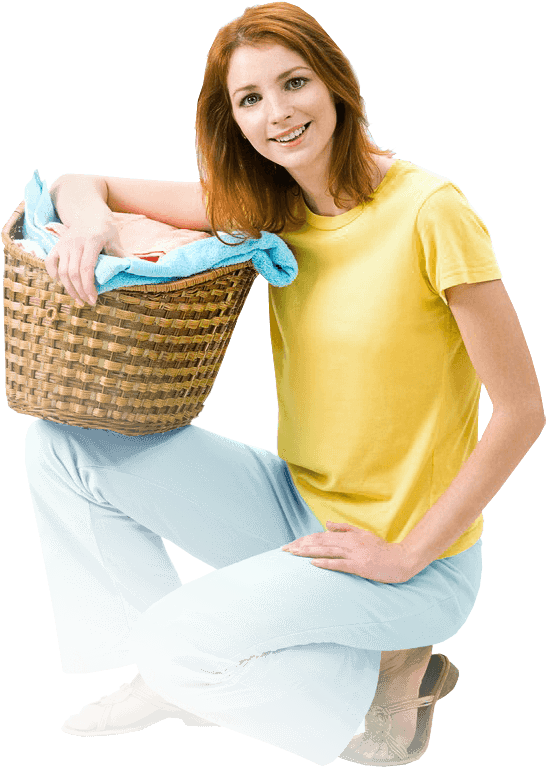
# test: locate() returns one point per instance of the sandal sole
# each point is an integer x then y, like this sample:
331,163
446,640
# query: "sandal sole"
435,670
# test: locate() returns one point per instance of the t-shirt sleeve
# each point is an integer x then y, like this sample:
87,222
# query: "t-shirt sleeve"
455,243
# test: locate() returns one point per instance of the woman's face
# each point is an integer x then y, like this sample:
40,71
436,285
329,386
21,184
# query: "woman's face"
275,104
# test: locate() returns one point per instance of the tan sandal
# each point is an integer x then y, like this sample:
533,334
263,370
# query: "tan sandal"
98,719
439,679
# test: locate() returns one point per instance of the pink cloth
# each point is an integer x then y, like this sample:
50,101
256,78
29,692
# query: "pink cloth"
143,237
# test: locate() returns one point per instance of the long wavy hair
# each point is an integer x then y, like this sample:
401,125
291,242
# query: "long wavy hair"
246,193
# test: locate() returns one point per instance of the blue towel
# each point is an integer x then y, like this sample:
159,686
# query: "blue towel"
270,254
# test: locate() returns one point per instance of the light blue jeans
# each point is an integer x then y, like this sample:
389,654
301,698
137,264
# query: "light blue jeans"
267,645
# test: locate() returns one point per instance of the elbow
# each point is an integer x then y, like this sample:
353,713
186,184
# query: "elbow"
55,185
532,416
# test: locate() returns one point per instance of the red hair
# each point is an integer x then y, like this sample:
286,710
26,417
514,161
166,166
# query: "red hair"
245,192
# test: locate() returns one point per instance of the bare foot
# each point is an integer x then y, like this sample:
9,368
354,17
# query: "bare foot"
400,676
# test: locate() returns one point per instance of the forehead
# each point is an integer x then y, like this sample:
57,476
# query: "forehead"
265,61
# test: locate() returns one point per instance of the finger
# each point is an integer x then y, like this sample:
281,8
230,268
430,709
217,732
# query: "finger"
87,272
65,269
75,276
332,564
51,263
83,275
331,552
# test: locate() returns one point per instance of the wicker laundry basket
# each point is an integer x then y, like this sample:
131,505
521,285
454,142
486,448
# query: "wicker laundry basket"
141,361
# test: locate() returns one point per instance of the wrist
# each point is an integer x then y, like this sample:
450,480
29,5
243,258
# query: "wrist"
413,557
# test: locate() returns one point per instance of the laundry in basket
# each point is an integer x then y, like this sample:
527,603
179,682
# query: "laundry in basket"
270,255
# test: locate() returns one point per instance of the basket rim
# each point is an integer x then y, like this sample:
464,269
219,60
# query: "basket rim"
156,287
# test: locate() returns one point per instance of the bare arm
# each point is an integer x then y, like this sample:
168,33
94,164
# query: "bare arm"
81,200
88,198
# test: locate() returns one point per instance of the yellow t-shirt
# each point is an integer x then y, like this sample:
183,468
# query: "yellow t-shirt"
378,399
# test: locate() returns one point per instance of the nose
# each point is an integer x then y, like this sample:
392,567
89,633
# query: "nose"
279,109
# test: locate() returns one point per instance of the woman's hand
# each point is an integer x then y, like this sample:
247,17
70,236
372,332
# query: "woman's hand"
350,549
73,258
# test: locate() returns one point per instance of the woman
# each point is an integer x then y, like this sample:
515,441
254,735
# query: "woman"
380,345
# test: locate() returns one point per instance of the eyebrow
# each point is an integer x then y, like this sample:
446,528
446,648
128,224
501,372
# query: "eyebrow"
280,77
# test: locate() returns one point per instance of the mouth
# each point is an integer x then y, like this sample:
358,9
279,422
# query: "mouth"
294,140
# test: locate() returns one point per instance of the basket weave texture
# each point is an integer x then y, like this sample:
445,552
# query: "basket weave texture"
142,360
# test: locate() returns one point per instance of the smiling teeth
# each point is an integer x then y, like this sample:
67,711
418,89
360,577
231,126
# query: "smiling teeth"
291,135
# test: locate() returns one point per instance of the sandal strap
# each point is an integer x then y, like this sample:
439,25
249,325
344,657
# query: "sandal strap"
403,705
379,723
140,690
155,700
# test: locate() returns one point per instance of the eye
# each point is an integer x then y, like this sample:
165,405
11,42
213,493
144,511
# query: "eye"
303,80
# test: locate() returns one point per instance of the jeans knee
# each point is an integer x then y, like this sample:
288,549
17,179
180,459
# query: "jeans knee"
39,435
47,444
